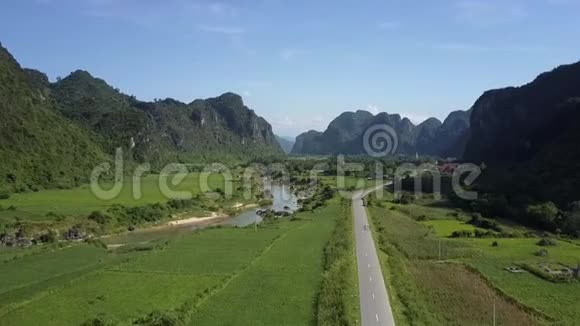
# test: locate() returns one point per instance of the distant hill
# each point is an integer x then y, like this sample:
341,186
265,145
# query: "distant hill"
53,134
345,134
286,143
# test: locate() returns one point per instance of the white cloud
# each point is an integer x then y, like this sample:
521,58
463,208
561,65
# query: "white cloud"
487,13
474,47
415,117
374,109
219,9
220,29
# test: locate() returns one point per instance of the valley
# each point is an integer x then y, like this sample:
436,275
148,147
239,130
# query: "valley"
289,163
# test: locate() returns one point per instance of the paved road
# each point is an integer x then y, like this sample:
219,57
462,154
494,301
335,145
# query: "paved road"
374,300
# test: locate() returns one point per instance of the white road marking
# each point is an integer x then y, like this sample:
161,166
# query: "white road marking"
373,295
377,316
370,278
369,265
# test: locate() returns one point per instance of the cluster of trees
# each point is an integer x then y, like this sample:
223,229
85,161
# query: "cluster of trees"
150,213
319,199
545,216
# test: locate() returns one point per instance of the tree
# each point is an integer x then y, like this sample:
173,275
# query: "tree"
544,214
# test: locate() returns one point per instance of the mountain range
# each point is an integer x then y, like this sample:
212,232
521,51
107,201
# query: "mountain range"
53,134
345,134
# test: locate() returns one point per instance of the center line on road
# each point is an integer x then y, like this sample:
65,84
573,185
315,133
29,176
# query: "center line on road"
373,295
370,278
369,265
377,316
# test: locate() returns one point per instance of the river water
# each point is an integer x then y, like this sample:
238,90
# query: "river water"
283,200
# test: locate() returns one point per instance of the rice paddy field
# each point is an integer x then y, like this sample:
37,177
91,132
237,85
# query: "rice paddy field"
435,279
218,276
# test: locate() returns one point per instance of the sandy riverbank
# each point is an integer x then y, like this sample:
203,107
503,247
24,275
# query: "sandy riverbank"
192,221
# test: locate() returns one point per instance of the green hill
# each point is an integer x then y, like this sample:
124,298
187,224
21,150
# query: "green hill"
52,135
39,148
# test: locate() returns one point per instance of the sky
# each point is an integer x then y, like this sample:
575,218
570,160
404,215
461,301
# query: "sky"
299,63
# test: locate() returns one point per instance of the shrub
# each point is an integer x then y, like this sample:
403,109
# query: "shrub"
49,237
406,199
421,218
99,217
547,242
483,234
475,218
495,244
4,195
99,321
55,216
462,234
541,253
158,318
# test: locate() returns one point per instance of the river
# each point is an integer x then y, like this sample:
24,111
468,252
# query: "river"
283,200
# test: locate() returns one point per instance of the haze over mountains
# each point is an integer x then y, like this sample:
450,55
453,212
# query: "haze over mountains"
287,143
432,137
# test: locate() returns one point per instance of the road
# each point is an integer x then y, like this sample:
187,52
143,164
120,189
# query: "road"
374,299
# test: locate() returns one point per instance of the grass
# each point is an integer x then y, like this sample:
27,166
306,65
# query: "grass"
213,251
444,228
556,300
79,201
121,295
349,182
425,291
186,269
214,276
281,286
39,267
462,290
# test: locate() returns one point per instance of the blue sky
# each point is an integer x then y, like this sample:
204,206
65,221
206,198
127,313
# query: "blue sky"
299,63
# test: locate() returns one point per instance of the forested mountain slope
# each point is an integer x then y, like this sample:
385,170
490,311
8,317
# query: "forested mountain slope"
52,135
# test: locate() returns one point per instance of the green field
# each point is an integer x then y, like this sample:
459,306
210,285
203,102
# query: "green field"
444,228
463,288
281,286
218,276
81,200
